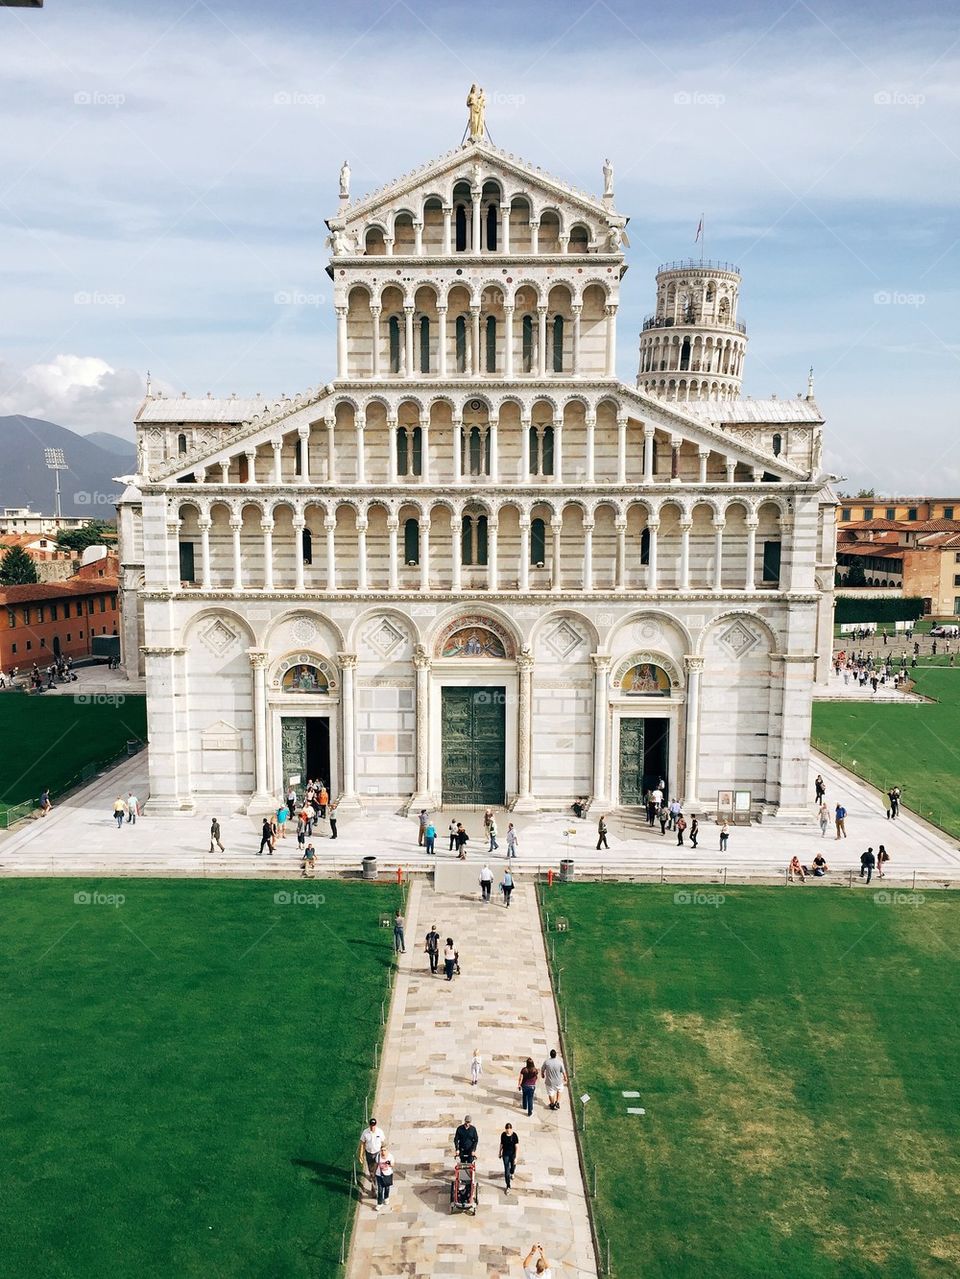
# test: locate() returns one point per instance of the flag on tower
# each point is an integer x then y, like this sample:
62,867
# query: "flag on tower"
699,230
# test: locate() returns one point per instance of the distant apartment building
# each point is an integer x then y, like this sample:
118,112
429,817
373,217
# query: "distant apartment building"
45,620
912,510
20,519
52,563
916,554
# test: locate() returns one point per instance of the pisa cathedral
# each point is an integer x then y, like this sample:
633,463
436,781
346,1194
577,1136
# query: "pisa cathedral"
474,567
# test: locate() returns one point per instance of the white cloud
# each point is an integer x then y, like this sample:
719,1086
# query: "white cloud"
82,392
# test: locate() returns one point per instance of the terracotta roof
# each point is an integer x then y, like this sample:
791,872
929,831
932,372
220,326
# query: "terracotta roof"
40,591
905,526
881,550
939,541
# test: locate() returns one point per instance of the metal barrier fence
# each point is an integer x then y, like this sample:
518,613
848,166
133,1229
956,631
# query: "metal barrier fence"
14,813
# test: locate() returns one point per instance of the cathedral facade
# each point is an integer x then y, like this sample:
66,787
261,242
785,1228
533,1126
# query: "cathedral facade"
474,567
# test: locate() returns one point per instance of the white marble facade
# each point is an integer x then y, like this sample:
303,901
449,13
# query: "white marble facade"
476,502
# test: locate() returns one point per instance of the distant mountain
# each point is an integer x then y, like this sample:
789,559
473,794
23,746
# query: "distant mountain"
87,486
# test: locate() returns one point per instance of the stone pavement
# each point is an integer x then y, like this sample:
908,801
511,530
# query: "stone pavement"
80,837
502,1004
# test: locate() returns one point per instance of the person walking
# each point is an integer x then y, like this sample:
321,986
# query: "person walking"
384,1180
283,816
527,1084
119,811
694,832
554,1077
133,808
476,1067
266,837
461,841
824,820
323,799
449,959
681,827
466,1139
509,1141
422,827
430,839
511,841
452,828
893,794
399,945
492,832
309,863
506,887
432,948
602,834
867,863
486,882
840,821
674,813
724,836
882,858
820,787
372,1141
332,818
46,806
215,834
663,816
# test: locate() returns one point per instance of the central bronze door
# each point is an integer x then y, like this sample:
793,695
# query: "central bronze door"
643,757
473,737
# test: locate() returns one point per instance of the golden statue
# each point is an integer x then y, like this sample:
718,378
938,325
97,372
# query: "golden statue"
477,103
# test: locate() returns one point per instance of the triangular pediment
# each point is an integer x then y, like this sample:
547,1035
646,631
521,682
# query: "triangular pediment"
483,160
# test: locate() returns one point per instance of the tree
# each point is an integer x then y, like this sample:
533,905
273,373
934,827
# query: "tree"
17,568
866,493
856,576
96,534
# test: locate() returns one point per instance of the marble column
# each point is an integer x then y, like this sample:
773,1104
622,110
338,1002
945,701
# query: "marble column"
361,554
576,339
731,467
493,579
392,452
277,446
534,236
685,526
718,527
787,552
508,342
494,450
621,450
652,578
261,796
205,526
505,228
442,341
558,452
457,452
524,574
393,526
331,450
348,795
588,527
694,669
556,567
304,435
408,352
361,451
601,665
525,802
341,341
524,450
418,239
542,341
475,331
425,451
329,527
456,532
165,676
564,241
591,424
621,527
236,524
266,527
299,525
375,336
447,229
675,443
475,203
425,556
611,313
421,799
751,574
704,457
251,457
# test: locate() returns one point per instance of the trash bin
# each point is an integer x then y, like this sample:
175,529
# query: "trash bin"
369,868
566,870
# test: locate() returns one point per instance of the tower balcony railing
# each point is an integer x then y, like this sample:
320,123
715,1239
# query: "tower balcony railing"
690,320
688,264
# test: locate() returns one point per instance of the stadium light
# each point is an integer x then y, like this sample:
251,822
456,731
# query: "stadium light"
56,462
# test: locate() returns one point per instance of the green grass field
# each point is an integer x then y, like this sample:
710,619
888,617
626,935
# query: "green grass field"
183,1075
795,1050
50,739
916,746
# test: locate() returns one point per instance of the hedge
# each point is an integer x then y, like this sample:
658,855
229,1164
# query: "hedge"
848,609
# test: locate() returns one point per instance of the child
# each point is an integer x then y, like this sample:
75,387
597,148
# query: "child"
476,1067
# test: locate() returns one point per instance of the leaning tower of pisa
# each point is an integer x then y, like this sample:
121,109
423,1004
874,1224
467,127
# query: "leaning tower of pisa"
692,347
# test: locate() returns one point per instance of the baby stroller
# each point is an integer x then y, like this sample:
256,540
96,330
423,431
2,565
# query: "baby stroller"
464,1190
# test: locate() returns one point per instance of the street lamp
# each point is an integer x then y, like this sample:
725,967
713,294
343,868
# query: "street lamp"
56,462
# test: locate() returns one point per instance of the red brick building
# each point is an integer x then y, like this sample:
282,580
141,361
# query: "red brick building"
44,620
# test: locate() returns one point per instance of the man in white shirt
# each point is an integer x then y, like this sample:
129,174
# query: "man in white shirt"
371,1143
133,808
554,1076
486,882
535,1265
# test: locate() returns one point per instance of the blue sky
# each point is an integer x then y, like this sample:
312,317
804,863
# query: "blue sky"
165,172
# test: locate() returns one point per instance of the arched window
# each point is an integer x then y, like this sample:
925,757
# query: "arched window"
417,451
492,227
403,459
710,292
645,546
181,443
538,542
393,328
777,445
461,335
526,329
685,354
411,541
558,344
461,229
473,540
476,451
306,539
491,335
424,344
546,451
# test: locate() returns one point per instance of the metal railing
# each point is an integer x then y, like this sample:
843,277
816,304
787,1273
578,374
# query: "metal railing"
691,320
688,264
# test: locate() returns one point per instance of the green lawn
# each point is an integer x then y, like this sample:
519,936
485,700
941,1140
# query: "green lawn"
183,1075
796,1052
916,746
50,739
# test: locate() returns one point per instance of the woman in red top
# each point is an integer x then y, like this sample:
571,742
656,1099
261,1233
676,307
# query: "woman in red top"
527,1084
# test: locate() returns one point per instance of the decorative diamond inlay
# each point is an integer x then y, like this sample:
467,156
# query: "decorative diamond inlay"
739,639
219,637
385,637
564,639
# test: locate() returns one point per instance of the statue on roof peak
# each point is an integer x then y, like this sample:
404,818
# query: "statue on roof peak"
477,104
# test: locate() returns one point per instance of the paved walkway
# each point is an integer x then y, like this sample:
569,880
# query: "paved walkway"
502,1004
